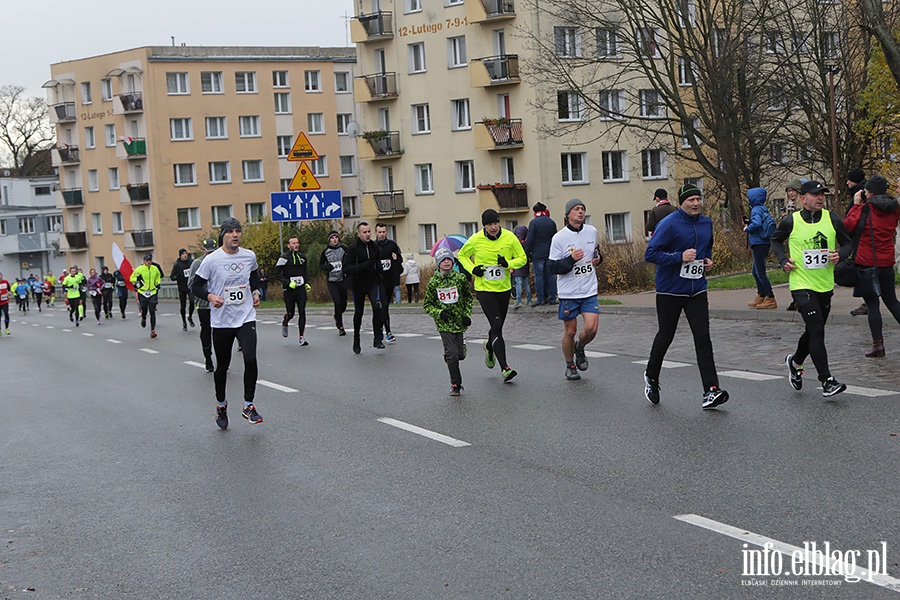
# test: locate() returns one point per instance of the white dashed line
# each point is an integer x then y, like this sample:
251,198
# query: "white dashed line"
50,327
113,341
195,364
275,386
868,392
667,364
749,375
534,347
88,334
67,330
149,351
408,335
439,437
437,337
593,354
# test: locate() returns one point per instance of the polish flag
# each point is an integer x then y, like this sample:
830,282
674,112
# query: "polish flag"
122,265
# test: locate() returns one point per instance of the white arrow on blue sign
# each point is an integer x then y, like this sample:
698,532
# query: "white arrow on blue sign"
307,206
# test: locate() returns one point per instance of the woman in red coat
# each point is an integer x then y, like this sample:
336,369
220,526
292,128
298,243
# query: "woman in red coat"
877,231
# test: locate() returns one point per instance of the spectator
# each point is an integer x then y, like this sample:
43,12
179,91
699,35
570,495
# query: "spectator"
760,228
537,247
659,212
411,272
520,275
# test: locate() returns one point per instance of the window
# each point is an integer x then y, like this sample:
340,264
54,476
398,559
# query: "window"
351,206
282,103
113,178
567,41
26,225
253,170
89,141
465,176
569,106
343,120
215,128
721,42
284,185
54,223
211,82
421,119
280,79
461,118
468,229
93,181
86,93
507,170
219,172
319,167
348,166
647,38
653,164
612,104
779,153
109,132
573,167
424,180
686,74
775,99
607,43
688,138
774,41
249,126
416,55
3,227
177,83
615,165
285,143
831,45
452,2
800,43
188,218
651,104
44,190
106,89
245,82
427,236
96,223
341,82
686,11
618,227
180,129
220,213
412,6
117,223
456,52
255,211
312,81
315,123
185,174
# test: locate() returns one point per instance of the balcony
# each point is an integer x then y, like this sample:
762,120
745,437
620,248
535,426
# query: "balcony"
494,70
141,238
68,155
138,193
65,112
132,102
499,134
72,197
135,148
373,27
379,145
372,88
489,11
389,203
510,197
77,240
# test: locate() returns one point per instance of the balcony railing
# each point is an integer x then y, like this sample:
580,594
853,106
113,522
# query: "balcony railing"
65,112
504,133
138,192
510,196
73,197
132,102
495,70
481,11
141,238
386,145
77,240
375,26
136,148
380,86
390,202
68,154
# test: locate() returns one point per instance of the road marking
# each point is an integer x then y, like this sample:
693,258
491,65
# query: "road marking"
50,327
534,347
88,334
790,552
593,354
113,341
408,335
195,364
667,364
35,324
67,330
276,386
424,432
749,375
437,337
167,315
868,392
149,351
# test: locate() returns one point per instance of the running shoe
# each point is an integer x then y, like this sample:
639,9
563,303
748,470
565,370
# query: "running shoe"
651,389
714,397
143,321
77,324
7,331
303,342
795,374
580,357
71,318
98,322
251,415
832,386
508,374
489,361
153,335
572,373
378,344
184,326
284,330
455,389
356,348
389,338
209,365
341,331
222,416
190,321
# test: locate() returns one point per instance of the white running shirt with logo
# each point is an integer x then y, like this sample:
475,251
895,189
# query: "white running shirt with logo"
228,276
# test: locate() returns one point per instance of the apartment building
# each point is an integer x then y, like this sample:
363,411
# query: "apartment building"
30,227
158,145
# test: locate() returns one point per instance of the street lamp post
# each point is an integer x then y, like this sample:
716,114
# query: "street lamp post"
832,71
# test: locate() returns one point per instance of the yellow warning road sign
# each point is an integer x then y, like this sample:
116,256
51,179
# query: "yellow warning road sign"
304,180
302,150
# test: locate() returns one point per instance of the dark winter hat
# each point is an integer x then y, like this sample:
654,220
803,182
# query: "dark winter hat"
104,268
148,256
539,207
856,175
209,244
688,190
572,204
441,254
334,232
877,185
490,216
230,224
182,251
661,193
812,187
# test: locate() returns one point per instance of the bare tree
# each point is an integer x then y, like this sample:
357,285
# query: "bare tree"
882,26
25,132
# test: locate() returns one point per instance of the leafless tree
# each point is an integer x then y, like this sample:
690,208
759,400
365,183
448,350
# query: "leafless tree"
880,21
25,132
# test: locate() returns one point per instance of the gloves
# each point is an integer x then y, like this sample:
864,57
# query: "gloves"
445,315
292,285
328,268
501,260
308,287
478,271
466,321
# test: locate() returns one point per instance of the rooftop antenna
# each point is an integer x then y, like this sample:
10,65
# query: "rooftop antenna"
346,19
173,40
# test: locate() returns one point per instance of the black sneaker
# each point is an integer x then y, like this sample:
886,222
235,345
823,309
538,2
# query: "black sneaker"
284,330
455,389
378,344
832,386
356,348
184,326
581,360
209,366
251,415
795,374
341,331
572,373
714,397
508,373
190,321
222,416
651,389
77,323
143,321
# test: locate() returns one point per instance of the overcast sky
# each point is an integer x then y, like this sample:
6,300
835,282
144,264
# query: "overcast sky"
39,33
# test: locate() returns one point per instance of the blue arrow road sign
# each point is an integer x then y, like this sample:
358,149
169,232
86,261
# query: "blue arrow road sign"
306,206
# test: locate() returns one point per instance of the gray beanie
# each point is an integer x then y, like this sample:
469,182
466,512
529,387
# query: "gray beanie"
441,254
230,224
572,204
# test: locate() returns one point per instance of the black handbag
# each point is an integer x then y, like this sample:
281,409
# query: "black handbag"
867,284
846,273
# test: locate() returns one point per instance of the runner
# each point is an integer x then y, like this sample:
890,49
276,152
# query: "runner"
82,305
291,271
489,255
72,285
180,272
361,262
37,290
229,280
331,262
574,257
95,291
109,283
448,299
4,304
51,297
146,279
816,240
47,290
681,249
21,289
208,246
121,291
391,264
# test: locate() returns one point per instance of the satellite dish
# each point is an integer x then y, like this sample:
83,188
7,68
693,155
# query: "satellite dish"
353,129
6,173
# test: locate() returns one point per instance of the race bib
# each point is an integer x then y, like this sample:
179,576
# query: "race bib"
120,283
4,297
692,270
236,294
386,264
298,280
815,258
93,292
187,273
449,295
107,285
584,270
494,273
147,294
337,265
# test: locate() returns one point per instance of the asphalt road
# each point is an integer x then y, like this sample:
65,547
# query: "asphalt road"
118,484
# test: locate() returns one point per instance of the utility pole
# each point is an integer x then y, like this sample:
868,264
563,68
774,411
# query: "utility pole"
832,71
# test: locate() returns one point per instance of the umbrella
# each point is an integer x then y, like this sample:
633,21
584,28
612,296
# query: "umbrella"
452,242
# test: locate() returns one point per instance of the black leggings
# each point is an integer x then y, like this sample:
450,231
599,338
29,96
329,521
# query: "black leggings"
73,306
295,297
107,301
495,305
668,312
889,295
147,304
186,298
205,331
123,302
376,298
98,304
4,312
412,290
339,297
223,341
814,307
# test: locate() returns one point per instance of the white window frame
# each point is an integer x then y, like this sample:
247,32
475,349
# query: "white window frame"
113,174
255,212
245,82
54,223
830,45
281,79
421,119
312,81
465,176
181,129
348,165
456,52
607,43
284,144
569,161
223,121
625,227
346,88
26,225
219,172
184,174
648,42
247,168
106,92
249,126
650,104
343,121
109,133
685,136
118,225
412,6
93,180
282,103
607,99
424,179
212,82
608,158
351,206
192,218
178,84
574,106
90,140
96,224
690,8
653,164
460,114
427,236
86,97
687,74
567,42
218,216
415,56
319,167
315,123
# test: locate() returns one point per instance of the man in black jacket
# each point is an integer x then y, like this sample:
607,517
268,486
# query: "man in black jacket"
391,265
362,263
541,230
291,271
180,273
109,283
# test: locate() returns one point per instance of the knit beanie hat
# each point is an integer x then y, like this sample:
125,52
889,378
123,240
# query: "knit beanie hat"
572,204
490,216
442,254
230,224
877,185
688,190
856,175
